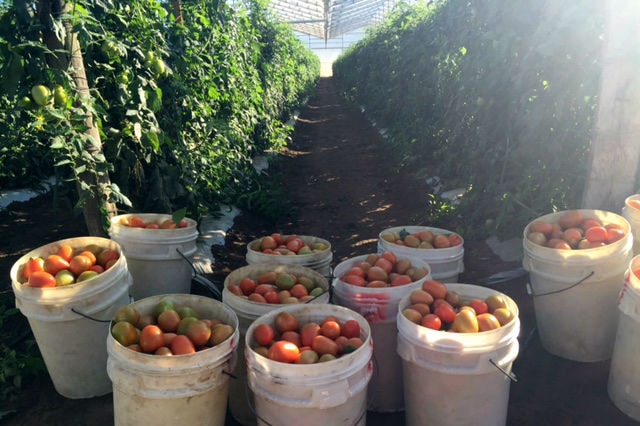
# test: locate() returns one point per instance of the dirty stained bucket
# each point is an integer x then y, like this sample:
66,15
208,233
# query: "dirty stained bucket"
190,389
624,374
69,322
457,379
247,311
319,261
325,393
156,257
446,263
379,306
631,212
575,291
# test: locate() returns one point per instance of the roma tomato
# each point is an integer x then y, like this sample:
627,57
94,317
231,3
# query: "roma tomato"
66,252
32,265
41,279
351,328
55,263
286,321
151,338
264,334
284,351
181,345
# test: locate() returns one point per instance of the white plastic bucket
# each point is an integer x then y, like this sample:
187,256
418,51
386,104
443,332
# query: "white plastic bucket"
69,323
446,263
379,306
457,379
187,389
321,394
624,373
575,291
632,214
153,255
247,311
320,261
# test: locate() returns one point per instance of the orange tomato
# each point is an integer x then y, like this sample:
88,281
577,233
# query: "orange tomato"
137,222
79,264
90,255
32,265
634,203
596,234
41,279
284,351
198,332
480,306
331,329
66,252
324,345
168,224
151,338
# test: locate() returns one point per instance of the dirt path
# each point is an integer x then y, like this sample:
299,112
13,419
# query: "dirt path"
339,176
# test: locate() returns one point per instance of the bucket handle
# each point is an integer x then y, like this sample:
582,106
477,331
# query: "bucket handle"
75,311
580,281
201,279
509,374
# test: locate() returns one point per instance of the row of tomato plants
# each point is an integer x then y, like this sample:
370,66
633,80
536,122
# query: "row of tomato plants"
499,101
184,95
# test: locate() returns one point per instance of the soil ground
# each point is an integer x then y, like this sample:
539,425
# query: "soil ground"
337,175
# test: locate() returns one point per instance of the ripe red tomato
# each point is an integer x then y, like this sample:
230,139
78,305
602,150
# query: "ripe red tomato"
247,285
298,291
107,255
151,338
272,297
596,234
181,345
264,334
431,321
235,289
41,279
351,328
445,312
284,351
480,306
614,234
168,224
293,337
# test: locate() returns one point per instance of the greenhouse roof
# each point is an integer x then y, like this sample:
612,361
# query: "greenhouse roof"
328,19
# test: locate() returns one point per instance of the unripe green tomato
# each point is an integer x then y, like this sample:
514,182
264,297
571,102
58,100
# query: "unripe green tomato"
41,94
59,96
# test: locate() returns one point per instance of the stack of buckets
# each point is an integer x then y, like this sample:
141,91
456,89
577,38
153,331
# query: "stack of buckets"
380,307
446,263
247,312
575,291
156,257
70,323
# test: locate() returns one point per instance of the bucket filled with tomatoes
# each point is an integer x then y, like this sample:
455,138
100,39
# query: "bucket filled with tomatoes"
170,357
158,248
457,343
443,250
373,286
577,260
68,290
309,363
301,250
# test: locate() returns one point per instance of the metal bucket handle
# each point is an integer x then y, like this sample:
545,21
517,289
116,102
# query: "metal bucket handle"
580,281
